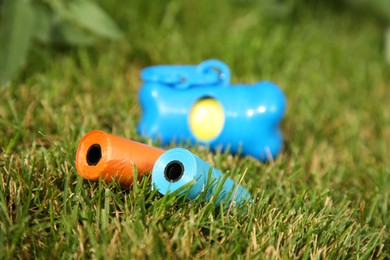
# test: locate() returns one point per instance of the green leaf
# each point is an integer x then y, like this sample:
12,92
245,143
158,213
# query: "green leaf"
16,31
51,28
43,25
90,16
66,33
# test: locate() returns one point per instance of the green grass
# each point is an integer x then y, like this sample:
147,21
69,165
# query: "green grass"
325,196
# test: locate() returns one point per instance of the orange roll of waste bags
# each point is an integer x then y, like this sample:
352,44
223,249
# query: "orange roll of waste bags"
100,154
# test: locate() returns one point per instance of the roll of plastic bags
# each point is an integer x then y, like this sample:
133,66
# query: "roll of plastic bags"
110,157
178,168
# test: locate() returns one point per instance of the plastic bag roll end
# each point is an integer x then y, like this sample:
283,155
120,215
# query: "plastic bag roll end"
178,168
90,162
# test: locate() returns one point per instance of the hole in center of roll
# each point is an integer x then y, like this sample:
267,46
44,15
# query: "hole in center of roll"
94,154
173,171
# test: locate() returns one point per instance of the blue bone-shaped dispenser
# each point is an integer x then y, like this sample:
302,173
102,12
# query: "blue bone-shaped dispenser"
197,103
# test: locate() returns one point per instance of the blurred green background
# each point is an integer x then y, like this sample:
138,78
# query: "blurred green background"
75,67
150,28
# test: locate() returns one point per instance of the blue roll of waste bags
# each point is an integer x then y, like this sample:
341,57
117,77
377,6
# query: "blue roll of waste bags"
178,167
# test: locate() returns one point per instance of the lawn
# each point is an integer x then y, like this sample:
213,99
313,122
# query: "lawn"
325,196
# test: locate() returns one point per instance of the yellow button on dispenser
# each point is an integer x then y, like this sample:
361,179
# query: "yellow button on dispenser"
206,119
